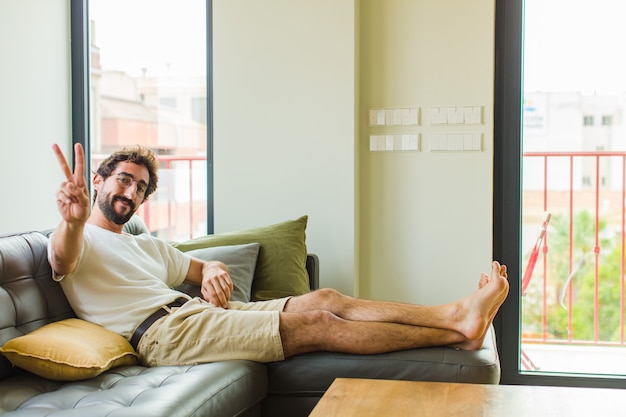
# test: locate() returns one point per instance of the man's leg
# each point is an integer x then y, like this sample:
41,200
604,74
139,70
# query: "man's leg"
327,320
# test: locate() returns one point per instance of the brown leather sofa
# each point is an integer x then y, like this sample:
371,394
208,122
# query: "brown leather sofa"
30,299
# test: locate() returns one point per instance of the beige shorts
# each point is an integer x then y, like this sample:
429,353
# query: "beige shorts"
199,332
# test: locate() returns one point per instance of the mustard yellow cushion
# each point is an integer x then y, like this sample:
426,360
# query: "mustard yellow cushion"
69,350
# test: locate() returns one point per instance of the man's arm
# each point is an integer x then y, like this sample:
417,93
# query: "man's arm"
214,281
74,206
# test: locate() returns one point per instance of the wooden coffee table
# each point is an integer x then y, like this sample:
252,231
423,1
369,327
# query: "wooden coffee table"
376,398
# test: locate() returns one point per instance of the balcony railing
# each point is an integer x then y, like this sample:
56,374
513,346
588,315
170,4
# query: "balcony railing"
178,209
576,295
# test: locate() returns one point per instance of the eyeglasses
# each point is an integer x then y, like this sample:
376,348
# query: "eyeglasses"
126,180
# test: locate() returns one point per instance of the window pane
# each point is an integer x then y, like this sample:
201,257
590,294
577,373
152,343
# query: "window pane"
148,87
574,166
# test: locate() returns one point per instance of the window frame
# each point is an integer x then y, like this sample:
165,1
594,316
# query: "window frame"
507,202
80,64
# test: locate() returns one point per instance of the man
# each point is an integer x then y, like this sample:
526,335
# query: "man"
118,280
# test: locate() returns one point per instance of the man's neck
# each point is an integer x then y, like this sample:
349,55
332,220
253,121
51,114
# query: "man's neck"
98,219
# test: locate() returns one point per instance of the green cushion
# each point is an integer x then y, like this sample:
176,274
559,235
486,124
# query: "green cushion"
281,264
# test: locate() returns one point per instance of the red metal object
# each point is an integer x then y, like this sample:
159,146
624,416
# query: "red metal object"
535,254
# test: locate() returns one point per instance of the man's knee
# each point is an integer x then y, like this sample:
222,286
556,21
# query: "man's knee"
322,299
327,295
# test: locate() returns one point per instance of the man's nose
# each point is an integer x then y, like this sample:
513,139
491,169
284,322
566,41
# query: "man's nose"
131,190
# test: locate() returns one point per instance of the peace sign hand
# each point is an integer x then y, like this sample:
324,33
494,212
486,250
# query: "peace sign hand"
73,196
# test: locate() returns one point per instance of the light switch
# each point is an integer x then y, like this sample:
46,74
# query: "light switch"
396,117
380,117
434,117
382,143
396,142
454,142
410,142
451,114
405,115
389,142
414,116
468,142
388,117
437,141
459,115
477,142
376,117
477,115
373,114
443,115
467,115
373,143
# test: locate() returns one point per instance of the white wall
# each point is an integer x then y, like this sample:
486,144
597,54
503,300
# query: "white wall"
426,230
406,226
285,122
34,110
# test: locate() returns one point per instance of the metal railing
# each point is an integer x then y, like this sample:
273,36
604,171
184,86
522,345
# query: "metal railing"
567,184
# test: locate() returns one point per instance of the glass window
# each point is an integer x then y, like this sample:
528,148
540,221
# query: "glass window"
198,109
551,330
573,307
148,85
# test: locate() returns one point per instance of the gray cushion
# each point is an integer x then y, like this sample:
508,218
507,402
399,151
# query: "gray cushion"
241,261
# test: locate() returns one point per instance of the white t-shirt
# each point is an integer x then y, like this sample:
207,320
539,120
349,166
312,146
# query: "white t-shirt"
121,279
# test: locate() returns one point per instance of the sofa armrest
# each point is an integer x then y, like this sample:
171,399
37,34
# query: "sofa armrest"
313,268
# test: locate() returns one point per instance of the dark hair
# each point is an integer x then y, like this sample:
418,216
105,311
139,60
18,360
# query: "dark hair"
137,154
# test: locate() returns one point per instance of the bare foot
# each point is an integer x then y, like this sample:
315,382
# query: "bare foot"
484,279
477,311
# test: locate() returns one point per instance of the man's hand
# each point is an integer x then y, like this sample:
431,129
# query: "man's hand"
73,204
73,196
216,283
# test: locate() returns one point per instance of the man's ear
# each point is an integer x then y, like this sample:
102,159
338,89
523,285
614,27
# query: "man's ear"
97,180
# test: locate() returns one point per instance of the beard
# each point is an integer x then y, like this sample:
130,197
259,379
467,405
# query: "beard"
106,203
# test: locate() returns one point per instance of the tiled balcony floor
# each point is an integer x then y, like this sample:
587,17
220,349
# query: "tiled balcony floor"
577,359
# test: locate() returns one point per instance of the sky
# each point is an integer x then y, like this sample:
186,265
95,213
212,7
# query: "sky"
575,45
163,36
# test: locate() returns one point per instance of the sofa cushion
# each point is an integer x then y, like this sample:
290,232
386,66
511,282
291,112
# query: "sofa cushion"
300,381
241,262
69,350
215,389
280,269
